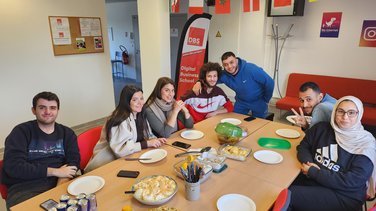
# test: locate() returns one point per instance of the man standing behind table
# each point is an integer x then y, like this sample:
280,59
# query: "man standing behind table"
315,104
252,85
39,154
212,100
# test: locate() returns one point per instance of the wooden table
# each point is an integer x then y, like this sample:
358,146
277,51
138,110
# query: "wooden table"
261,182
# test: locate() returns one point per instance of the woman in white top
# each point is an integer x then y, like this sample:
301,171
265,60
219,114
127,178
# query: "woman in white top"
126,131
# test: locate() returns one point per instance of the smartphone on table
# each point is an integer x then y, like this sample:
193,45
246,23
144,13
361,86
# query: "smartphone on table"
181,144
128,174
250,118
49,204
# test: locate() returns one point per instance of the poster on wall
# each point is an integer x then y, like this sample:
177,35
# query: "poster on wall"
60,31
191,52
330,24
368,35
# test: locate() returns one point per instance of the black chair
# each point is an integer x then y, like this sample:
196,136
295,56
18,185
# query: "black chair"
270,116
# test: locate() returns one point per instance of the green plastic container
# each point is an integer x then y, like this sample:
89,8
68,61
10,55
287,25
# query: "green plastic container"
228,129
276,143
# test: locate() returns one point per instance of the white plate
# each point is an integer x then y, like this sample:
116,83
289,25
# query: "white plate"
291,119
155,155
86,184
192,134
232,121
288,133
233,201
268,156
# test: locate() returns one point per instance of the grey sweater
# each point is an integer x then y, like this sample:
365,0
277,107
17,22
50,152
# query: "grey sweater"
162,129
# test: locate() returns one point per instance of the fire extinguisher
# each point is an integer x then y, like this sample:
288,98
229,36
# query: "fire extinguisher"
124,54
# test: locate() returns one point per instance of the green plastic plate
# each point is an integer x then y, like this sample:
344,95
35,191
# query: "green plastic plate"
276,143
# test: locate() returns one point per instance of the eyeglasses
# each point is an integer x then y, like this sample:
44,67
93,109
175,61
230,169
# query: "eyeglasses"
350,113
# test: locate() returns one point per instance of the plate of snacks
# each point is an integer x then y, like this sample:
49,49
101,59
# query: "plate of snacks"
213,159
155,189
234,152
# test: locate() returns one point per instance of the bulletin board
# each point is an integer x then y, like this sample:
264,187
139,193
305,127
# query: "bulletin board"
76,35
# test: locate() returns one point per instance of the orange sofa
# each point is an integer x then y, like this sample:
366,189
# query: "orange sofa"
337,87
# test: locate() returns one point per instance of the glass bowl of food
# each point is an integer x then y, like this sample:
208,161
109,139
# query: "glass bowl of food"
228,133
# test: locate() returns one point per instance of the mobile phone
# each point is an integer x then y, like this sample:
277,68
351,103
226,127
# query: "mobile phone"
250,118
181,144
128,174
49,204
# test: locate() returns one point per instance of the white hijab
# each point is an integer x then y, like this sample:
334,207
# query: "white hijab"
356,140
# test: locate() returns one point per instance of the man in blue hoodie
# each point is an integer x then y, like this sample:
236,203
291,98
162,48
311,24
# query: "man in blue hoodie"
252,85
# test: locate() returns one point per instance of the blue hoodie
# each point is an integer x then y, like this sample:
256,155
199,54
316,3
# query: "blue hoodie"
253,88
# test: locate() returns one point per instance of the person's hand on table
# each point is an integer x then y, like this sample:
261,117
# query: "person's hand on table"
156,142
210,114
300,119
63,171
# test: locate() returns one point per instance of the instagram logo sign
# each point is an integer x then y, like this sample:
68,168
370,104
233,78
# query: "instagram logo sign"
368,36
370,33
195,36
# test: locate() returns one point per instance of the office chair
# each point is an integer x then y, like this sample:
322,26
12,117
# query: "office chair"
86,143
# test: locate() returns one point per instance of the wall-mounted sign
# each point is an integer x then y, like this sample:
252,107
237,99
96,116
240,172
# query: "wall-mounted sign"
368,35
330,24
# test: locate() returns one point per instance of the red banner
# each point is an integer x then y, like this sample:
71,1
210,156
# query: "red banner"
191,53
247,5
222,6
196,6
282,3
175,6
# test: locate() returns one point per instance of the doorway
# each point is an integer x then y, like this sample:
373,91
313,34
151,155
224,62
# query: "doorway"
120,31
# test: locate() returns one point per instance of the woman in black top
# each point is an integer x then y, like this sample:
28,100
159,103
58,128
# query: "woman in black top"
337,162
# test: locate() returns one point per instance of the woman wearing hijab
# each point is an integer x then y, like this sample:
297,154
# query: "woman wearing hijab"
338,162
126,131
163,111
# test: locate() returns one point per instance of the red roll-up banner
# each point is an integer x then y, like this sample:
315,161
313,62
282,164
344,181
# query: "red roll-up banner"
192,52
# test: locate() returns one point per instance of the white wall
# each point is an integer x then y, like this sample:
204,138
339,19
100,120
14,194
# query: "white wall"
306,52
154,25
119,16
28,66
247,35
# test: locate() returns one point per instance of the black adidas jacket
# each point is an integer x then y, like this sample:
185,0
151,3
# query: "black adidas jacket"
340,170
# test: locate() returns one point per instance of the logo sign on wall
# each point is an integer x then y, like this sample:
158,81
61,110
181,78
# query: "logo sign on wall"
331,21
368,35
191,53
196,36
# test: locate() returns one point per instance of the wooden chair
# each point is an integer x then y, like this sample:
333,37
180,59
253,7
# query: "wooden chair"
86,143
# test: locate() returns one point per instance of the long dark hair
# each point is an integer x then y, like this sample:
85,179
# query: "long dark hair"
123,110
157,89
